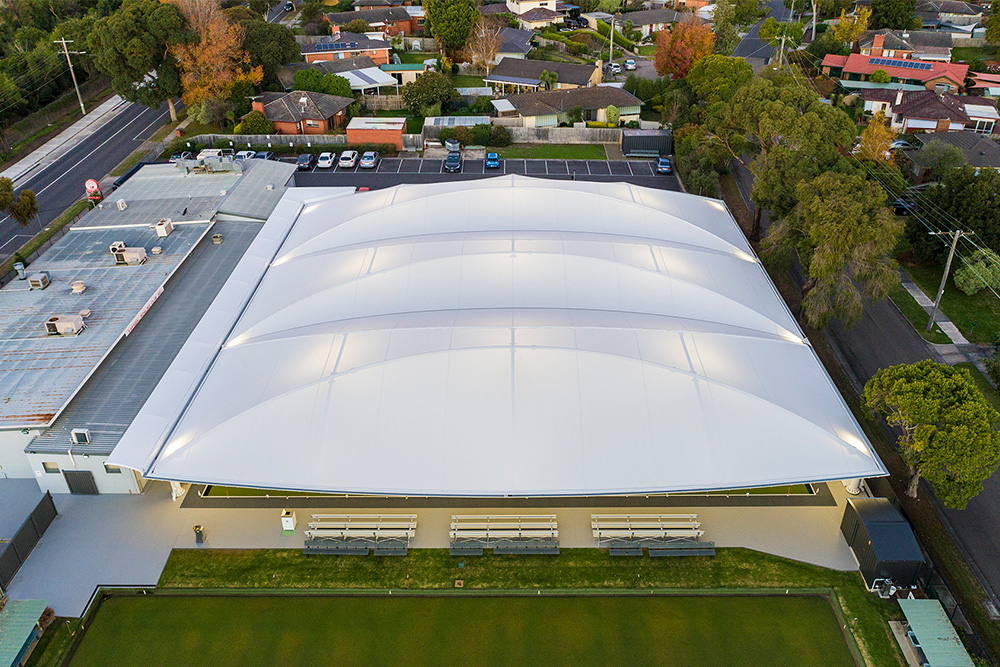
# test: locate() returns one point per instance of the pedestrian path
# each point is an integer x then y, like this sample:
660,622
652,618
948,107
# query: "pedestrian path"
947,326
58,146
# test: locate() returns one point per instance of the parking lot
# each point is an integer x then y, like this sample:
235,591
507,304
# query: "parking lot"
393,171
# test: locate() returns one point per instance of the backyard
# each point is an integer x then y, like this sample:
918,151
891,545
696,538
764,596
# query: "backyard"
422,630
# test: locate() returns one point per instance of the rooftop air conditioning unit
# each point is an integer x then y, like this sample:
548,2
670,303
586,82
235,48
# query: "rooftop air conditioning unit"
39,280
121,204
164,227
117,246
80,436
130,256
64,325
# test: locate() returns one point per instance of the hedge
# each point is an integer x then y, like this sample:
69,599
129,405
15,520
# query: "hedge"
605,30
574,47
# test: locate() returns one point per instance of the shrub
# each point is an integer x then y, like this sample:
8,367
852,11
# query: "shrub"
982,271
612,115
481,135
499,136
632,125
463,135
483,105
605,30
254,122
879,76
594,123
447,133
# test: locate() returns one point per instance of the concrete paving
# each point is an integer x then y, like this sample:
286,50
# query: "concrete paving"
116,540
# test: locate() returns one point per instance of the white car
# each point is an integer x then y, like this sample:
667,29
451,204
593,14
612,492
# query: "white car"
348,159
630,65
325,160
901,145
245,155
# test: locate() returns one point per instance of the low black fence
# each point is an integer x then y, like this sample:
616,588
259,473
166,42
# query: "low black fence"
15,552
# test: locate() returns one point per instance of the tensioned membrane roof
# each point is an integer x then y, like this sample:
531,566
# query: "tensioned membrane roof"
505,336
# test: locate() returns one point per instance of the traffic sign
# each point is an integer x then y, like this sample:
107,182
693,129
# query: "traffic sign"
92,186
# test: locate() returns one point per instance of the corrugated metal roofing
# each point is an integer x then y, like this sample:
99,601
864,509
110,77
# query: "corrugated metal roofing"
935,633
17,623
251,198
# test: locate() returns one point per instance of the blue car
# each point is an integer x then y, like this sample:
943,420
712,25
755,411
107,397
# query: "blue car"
492,161
663,166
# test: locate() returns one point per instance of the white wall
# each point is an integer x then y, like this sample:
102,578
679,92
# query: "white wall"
13,461
122,482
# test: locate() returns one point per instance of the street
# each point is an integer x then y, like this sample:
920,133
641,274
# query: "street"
61,183
751,47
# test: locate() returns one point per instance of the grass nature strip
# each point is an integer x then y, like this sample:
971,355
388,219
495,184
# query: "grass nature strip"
434,569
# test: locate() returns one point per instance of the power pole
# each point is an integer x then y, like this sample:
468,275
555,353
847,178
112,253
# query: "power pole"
72,73
955,236
611,35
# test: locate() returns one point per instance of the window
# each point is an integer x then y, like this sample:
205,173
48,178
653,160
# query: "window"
51,468
941,88
112,470
312,123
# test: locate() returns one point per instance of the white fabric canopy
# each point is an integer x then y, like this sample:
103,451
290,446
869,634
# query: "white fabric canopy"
506,336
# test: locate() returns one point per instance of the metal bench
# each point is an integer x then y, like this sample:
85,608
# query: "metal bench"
334,548
504,534
507,547
465,551
683,549
624,551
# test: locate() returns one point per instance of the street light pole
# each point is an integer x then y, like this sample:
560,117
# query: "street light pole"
72,73
955,236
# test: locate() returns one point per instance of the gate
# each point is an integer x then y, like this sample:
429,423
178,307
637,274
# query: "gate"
80,482
15,552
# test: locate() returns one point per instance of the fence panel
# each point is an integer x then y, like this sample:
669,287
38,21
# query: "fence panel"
386,102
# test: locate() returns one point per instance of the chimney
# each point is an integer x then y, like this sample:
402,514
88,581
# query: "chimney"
899,96
879,40
257,104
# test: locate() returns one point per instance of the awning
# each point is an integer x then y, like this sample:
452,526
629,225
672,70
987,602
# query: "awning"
935,634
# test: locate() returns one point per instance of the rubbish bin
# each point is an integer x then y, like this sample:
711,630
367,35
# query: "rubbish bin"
199,535
288,520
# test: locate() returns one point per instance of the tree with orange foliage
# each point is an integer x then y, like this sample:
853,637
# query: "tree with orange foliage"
216,62
679,48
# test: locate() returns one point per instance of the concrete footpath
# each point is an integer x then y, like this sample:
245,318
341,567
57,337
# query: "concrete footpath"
61,144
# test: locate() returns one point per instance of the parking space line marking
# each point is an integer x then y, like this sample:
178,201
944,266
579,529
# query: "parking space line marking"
630,172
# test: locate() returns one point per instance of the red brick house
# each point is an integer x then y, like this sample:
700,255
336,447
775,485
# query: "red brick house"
343,45
303,112
391,21
856,68
376,131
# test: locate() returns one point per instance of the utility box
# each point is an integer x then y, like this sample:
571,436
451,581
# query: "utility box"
882,541
288,520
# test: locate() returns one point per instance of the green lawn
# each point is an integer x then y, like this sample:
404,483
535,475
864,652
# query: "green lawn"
54,643
647,50
416,57
555,151
989,391
572,569
981,310
128,162
467,81
778,631
967,53
917,316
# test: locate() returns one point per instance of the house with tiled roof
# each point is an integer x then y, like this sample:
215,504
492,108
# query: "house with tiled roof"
929,112
986,84
855,70
649,21
387,20
980,152
950,15
379,4
517,74
534,14
344,45
905,44
548,108
515,44
303,112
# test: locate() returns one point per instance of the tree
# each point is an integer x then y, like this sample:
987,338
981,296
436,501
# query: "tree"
612,115
451,21
241,14
715,78
255,122
982,270
938,158
948,435
993,26
357,26
776,33
134,46
485,43
211,66
876,139
894,14
270,45
842,234
311,18
849,28
317,82
880,76
680,47
21,206
969,201
724,27
548,79
747,11
261,6
12,98
427,90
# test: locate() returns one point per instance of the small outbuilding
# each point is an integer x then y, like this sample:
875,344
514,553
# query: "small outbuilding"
647,143
376,131
882,541
933,635
20,628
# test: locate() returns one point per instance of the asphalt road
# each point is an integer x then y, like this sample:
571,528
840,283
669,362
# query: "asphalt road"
751,46
61,183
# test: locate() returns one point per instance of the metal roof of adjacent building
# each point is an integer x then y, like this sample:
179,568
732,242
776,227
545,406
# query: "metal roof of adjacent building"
936,635
17,625
504,336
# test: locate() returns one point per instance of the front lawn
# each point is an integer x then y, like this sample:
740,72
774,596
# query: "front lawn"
467,81
917,316
981,311
431,631
554,152
648,50
572,569
989,391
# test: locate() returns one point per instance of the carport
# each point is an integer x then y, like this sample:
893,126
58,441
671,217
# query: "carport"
933,635
647,143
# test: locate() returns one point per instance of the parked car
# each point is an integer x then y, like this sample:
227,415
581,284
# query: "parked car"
245,155
903,207
663,166
453,162
325,160
177,157
614,68
348,159
901,145
305,162
492,161
630,65
369,160
264,155
289,6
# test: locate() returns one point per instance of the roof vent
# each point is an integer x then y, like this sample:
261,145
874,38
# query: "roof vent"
80,436
269,187
85,313
223,192
64,325
164,227
39,280
156,250
77,286
121,204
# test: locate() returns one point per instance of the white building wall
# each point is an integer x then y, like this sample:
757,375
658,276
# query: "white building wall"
13,461
54,482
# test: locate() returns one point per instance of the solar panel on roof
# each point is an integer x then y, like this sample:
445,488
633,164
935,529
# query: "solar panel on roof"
906,64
